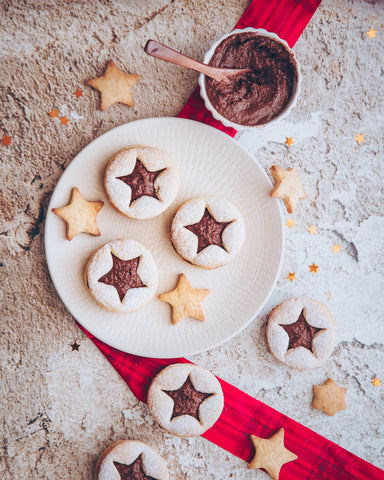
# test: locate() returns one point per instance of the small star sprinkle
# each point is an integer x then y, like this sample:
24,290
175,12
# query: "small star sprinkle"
371,33
376,382
359,138
291,276
75,346
271,454
336,248
313,268
312,229
290,222
6,140
289,141
64,121
54,113
78,93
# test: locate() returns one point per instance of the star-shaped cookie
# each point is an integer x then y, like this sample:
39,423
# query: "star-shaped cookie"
271,454
114,86
329,397
185,300
287,186
79,215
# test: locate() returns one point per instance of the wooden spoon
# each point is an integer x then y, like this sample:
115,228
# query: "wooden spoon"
162,52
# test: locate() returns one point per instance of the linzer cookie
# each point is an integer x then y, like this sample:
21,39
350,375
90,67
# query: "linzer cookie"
185,399
207,231
122,275
141,182
130,460
301,333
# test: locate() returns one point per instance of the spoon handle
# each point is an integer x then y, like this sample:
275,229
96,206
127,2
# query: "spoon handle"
162,52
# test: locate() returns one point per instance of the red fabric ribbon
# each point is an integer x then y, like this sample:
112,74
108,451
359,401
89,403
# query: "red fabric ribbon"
244,415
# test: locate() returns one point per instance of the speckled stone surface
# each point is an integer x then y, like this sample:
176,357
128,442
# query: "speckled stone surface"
61,407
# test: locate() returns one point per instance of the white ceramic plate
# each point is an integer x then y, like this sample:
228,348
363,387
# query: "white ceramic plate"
211,163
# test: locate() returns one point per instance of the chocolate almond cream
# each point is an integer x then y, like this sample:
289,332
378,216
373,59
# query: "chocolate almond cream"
257,97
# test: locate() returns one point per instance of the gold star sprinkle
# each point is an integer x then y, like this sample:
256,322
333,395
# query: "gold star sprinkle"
291,276
329,397
78,93
290,222
271,454
6,140
287,186
359,138
371,33
64,121
114,86
312,229
376,382
54,113
79,215
313,268
289,141
185,300
336,248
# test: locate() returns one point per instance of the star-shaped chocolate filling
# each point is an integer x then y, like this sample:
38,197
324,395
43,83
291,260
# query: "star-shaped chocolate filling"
123,275
141,181
133,471
300,333
208,231
187,400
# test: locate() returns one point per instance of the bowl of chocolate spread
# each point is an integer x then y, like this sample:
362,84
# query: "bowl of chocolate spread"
260,97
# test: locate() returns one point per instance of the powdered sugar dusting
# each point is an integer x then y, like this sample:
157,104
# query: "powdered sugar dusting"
161,405
166,184
317,315
101,263
126,452
186,242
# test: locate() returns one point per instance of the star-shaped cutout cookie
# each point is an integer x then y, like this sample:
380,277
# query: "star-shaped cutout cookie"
185,300
141,181
287,186
187,400
123,275
271,454
114,86
208,231
329,397
79,215
133,471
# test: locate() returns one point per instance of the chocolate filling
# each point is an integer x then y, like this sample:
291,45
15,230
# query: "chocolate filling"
133,471
300,333
208,231
141,181
257,97
187,400
123,275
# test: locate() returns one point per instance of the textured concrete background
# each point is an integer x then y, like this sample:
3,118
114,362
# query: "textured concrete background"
61,407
